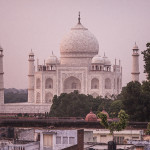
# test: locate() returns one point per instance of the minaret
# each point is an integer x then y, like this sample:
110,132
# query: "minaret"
31,78
135,64
1,77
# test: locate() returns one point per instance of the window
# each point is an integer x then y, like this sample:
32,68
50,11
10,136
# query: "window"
71,140
119,139
49,83
48,97
92,67
94,83
96,67
65,140
58,139
47,140
38,137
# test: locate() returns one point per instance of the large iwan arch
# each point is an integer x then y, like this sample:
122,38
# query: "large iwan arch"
71,84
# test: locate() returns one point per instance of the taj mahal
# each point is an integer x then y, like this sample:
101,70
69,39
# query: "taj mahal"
80,67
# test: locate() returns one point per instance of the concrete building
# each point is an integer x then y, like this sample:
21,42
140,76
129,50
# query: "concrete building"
45,139
104,136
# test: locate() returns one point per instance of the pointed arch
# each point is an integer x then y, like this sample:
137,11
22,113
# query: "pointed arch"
48,97
48,83
94,83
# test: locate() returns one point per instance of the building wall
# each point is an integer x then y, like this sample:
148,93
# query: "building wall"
60,138
25,134
103,136
88,136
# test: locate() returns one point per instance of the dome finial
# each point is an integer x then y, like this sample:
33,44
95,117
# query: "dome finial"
79,18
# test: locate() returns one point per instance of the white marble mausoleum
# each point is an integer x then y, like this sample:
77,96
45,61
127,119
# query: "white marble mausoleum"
80,67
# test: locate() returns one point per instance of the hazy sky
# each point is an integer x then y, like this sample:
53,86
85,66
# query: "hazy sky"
41,24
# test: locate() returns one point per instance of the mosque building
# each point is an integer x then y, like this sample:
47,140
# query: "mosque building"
80,67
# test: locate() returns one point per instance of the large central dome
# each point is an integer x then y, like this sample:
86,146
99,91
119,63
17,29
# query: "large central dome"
79,42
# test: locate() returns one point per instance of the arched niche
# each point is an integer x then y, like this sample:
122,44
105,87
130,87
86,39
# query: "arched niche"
94,83
48,97
48,83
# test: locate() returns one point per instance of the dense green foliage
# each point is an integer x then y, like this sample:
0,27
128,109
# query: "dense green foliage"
115,107
114,125
77,105
15,96
136,100
146,57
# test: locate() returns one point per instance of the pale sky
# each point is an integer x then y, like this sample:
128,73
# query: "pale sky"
41,24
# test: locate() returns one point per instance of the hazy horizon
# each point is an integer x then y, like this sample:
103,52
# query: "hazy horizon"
41,25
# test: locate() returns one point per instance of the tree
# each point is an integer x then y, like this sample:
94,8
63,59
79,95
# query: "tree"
135,99
131,99
146,58
77,105
71,105
114,125
115,107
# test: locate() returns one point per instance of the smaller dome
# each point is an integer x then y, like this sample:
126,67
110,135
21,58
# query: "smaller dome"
97,60
52,60
106,61
91,117
106,113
